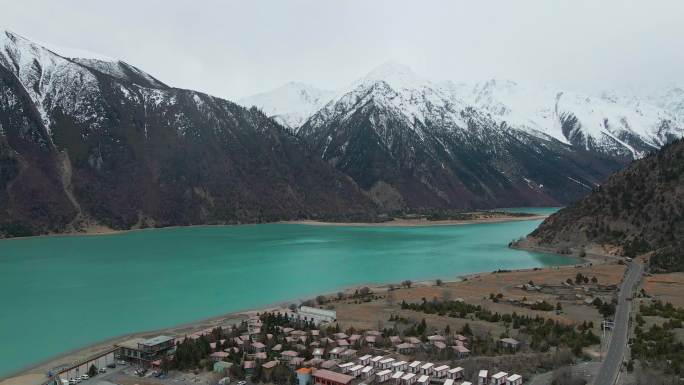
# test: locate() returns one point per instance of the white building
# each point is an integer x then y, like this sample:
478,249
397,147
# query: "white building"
441,371
386,363
383,376
367,371
424,380
399,366
448,381
344,368
426,369
455,373
365,360
482,377
375,361
318,316
414,367
514,379
396,377
499,378
355,370
409,379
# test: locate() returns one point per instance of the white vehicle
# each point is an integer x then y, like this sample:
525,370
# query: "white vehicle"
85,377
102,370
72,381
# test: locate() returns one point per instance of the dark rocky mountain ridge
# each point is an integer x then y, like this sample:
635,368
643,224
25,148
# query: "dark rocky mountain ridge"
83,143
89,142
413,147
639,210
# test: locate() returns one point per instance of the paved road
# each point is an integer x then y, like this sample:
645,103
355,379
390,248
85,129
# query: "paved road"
618,342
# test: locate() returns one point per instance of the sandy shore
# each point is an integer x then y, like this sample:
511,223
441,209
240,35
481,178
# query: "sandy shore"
421,222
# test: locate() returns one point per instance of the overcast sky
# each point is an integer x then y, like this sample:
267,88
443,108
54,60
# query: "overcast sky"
233,49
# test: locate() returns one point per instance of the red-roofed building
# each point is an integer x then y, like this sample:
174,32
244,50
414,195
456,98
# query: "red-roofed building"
327,377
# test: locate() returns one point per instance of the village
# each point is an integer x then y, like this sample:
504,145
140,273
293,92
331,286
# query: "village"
390,335
314,356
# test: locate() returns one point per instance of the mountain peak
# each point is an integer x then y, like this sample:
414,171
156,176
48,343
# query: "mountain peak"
290,104
395,74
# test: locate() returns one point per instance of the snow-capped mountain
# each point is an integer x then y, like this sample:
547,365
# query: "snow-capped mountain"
611,123
89,141
607,123
290,104
407,140
670,98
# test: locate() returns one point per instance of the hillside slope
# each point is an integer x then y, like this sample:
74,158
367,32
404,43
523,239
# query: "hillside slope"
86,142
638,210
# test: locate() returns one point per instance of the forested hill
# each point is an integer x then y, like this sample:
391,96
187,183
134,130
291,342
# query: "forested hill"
638,210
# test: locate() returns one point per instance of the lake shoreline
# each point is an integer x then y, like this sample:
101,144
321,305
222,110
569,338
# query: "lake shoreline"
101,230
25,375
178,329
421,222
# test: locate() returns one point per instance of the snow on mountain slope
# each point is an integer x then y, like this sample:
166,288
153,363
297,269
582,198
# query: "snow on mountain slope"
61,86
414,143
122,70
670,98
290,104
608,120
530,109
50,80
610,124
415,100
86,142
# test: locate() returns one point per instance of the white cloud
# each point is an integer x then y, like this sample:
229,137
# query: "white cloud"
235,48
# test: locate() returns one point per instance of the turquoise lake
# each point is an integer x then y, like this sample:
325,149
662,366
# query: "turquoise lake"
60,293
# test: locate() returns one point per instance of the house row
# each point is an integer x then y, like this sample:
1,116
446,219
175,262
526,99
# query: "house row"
499,378
383,369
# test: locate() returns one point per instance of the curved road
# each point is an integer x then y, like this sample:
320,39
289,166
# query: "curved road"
618,342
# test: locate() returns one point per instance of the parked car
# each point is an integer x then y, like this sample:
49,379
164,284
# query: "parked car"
73,381
121,362
112,365
85,377
242,383
102,370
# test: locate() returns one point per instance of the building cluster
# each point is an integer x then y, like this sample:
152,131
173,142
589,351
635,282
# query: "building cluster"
387,370
325,358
